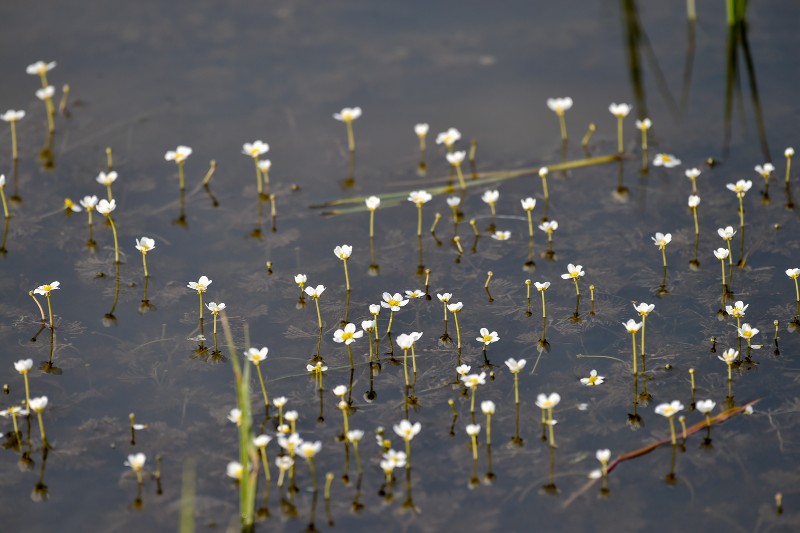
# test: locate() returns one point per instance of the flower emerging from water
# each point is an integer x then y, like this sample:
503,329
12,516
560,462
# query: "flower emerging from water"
593,379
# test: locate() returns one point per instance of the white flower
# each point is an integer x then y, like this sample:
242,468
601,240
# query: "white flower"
515,366
23,365
300,279
315,292
644,125
255,356
235,416
500,235
264,165
692,173
44,290
644,309
487,338
279,402
740,187
449,137
343,252
373,202
543,172
765,170
419,197
310,449
393,459
89,202
669,409
374,309
106,178
405,341
291,416
789,152
406,430
178,155
559,105
421,129
40,67
340,390
367,325
234,470
348,335
694,200
541,287
549,226
444,297
593,379
666,160
603,455
46,93
416,293
136,461
487,407
544,401
721,253
490,197
12,116
453,201
104,207
662,239
746,331
737,310
729,356
632,326
471,381
528,203
463,370
284,463
473,429
793,273
393,302
37,405
455,307
214,307
145,244
705,406
261,441
201,285
355,435
619,110
255,148
456,158
573,271
348,114
726,233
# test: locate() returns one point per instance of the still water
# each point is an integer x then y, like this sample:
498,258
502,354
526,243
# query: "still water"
147,77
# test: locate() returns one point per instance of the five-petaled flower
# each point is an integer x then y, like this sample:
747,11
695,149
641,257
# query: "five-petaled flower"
406,430
255,355
348,335
145,244
419,197
619,110
201,285
255,149
559,105
740,187
315,292
544,401
105,208
372,202
178,155
573,272
44,290
136,461
343,252
348,114
593,379
501,235
449,137
666,160
515,366
487,338
662,239
393,302
473,380
669,409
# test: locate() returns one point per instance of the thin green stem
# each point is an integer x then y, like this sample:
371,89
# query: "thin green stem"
474,447
530,223
371,224
180,175
41,426
49,311
461,181
419,220
458,330
577,289
5,203
263,387
319,316
351,142
664,255
563,124
15,155
722,263
144,263
516,388
27,391
259,187
263,453
544,307
200,294
405,364
672,430
472,401
116,242
346,276
633,338
620,143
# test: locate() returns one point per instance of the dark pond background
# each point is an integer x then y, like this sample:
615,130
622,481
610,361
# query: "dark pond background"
148,76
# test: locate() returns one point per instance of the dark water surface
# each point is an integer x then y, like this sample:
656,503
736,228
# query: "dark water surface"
148,76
